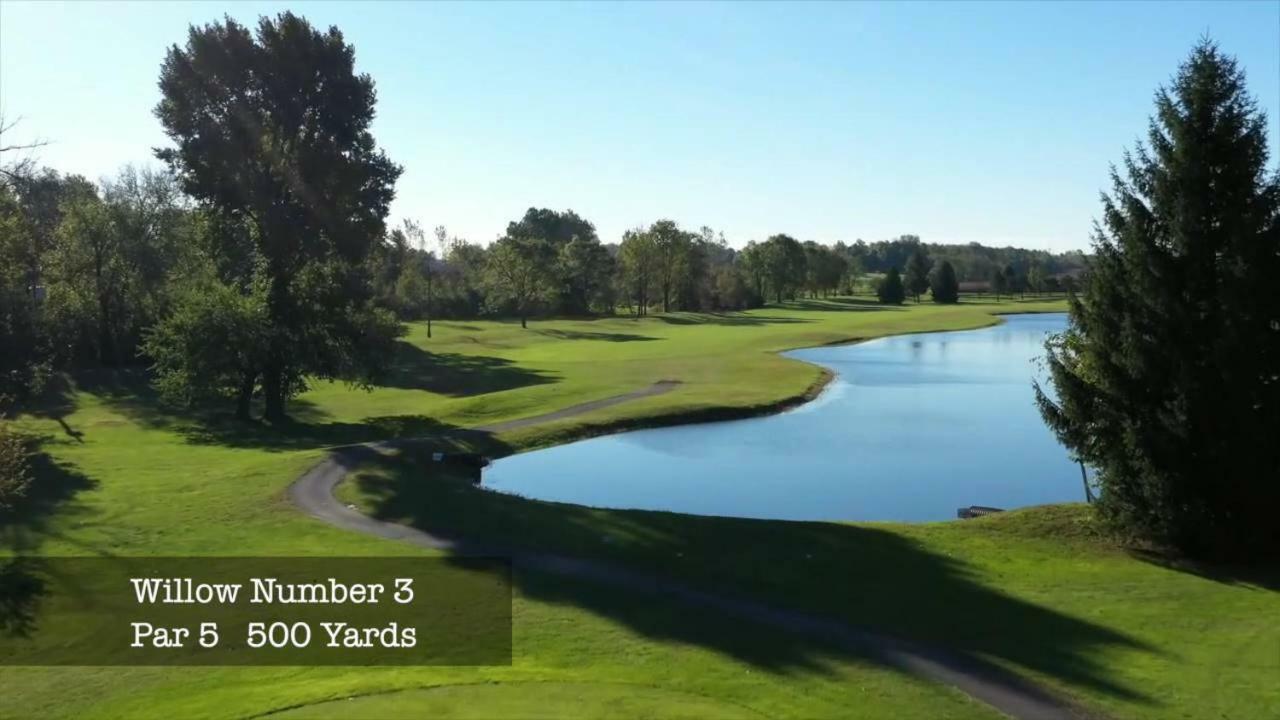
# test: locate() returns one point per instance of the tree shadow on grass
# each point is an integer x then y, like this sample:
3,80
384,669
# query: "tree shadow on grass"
456,374
1261,575
840,304
53,487
298,435
22,589
585,335
23,529
129,391
731,319
833,579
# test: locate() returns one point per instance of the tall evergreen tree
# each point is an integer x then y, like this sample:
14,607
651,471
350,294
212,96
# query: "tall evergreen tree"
891,290
943,284
999,283
917,276
1013,281
1168,378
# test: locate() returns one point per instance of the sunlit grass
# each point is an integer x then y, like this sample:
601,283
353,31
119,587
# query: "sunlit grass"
141,479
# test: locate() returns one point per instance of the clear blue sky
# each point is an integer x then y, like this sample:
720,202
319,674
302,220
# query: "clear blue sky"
958,122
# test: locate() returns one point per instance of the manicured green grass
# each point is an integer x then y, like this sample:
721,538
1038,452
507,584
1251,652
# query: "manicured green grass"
1039,590
141,480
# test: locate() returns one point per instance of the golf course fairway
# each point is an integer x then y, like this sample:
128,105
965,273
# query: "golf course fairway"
1038,591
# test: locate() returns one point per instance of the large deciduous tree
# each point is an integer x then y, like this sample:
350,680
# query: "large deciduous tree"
25,357
518,273
272,127
673,247
584,268
210,346
1167,380
580,267
638,262
916,279
785,265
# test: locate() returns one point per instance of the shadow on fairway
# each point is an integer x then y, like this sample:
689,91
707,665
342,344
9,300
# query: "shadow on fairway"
22,588
455,374
24,528
841,304
53,488
732,319
129,391
1263,575
295,434
864,576
603,336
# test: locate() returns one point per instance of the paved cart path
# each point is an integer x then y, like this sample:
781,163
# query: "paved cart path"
1002,689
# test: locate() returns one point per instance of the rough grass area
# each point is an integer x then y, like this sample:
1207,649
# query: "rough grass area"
127,476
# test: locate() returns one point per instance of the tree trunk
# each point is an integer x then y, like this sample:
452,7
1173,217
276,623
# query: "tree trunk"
273,393
106,343
523,322
1088,492
245,396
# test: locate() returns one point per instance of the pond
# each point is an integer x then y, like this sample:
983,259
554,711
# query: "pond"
912,428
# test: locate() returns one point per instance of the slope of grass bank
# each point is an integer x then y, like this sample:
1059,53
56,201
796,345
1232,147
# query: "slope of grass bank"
1039,589
127,476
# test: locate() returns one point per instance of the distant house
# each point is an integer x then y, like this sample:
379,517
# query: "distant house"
975,286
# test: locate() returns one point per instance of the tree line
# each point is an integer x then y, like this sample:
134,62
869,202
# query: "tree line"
257,257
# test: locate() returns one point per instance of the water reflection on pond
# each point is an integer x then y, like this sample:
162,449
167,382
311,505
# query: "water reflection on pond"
913,427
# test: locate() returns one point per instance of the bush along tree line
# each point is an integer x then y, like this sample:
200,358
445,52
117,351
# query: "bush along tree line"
1167,381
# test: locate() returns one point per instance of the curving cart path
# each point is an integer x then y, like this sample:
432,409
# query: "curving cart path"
992,684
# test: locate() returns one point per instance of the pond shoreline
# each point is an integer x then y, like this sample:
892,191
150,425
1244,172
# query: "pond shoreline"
718,414
692,464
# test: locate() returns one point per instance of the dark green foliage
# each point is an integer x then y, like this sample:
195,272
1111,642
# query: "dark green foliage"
999,282
583,273
109,265
556,228
1013,282
1036,280
673,248
785,266
916,280
272,129
24,355
972,261
518,273
1168,380
891,290
672,268
943,284
15,464
825,269
580,266
210,346
638,265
